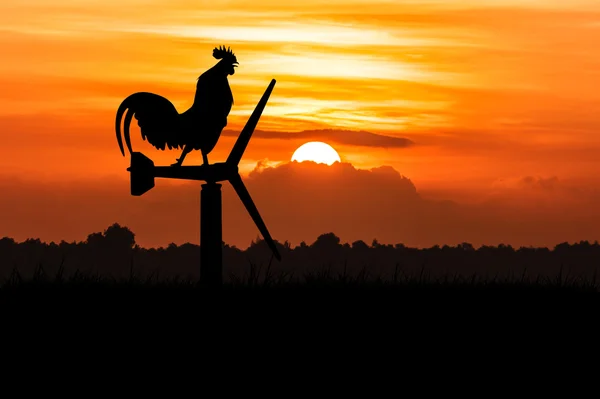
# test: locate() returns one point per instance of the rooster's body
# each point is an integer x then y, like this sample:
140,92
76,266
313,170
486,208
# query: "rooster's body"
198,128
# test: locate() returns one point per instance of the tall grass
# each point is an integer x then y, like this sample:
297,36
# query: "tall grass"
325,278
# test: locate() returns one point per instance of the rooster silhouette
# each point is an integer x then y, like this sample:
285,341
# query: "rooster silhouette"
198,128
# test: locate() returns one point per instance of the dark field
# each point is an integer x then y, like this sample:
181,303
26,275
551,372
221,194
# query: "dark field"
322,310
76,288
109,274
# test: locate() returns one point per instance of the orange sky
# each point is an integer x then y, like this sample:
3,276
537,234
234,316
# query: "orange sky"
492,94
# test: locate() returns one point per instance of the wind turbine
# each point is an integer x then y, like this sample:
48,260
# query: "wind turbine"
143,172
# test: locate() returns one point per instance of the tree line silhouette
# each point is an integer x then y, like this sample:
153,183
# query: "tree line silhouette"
115,253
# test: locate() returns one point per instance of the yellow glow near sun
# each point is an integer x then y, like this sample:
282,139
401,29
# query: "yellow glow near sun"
316,151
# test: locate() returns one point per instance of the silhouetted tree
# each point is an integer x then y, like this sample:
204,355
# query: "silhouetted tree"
360,245
119,237
114,252
326,241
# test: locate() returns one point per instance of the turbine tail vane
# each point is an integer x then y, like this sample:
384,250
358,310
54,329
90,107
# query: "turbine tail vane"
242,142
242,192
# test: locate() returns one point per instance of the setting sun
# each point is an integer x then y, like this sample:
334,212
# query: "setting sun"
316,151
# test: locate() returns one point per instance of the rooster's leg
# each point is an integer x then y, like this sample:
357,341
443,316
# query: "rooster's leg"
186,151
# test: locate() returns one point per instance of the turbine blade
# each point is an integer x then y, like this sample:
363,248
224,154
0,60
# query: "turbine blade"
242,142
242,192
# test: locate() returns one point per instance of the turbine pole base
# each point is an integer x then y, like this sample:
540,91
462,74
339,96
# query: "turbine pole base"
211,236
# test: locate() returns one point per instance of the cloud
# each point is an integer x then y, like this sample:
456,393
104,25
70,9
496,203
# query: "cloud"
540,182
529,182
298,202
348,137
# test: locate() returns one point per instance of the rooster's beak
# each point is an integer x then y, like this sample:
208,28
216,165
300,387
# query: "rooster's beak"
235,64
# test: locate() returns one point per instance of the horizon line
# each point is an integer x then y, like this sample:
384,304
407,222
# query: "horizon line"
259,240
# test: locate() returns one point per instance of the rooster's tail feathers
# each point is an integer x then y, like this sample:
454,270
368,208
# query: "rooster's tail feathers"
125,105
120,112
127,122
156,116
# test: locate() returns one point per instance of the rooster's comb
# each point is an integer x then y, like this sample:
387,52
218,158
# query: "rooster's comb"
222,52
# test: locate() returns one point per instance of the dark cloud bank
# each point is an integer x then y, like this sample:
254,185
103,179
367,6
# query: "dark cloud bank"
298,202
